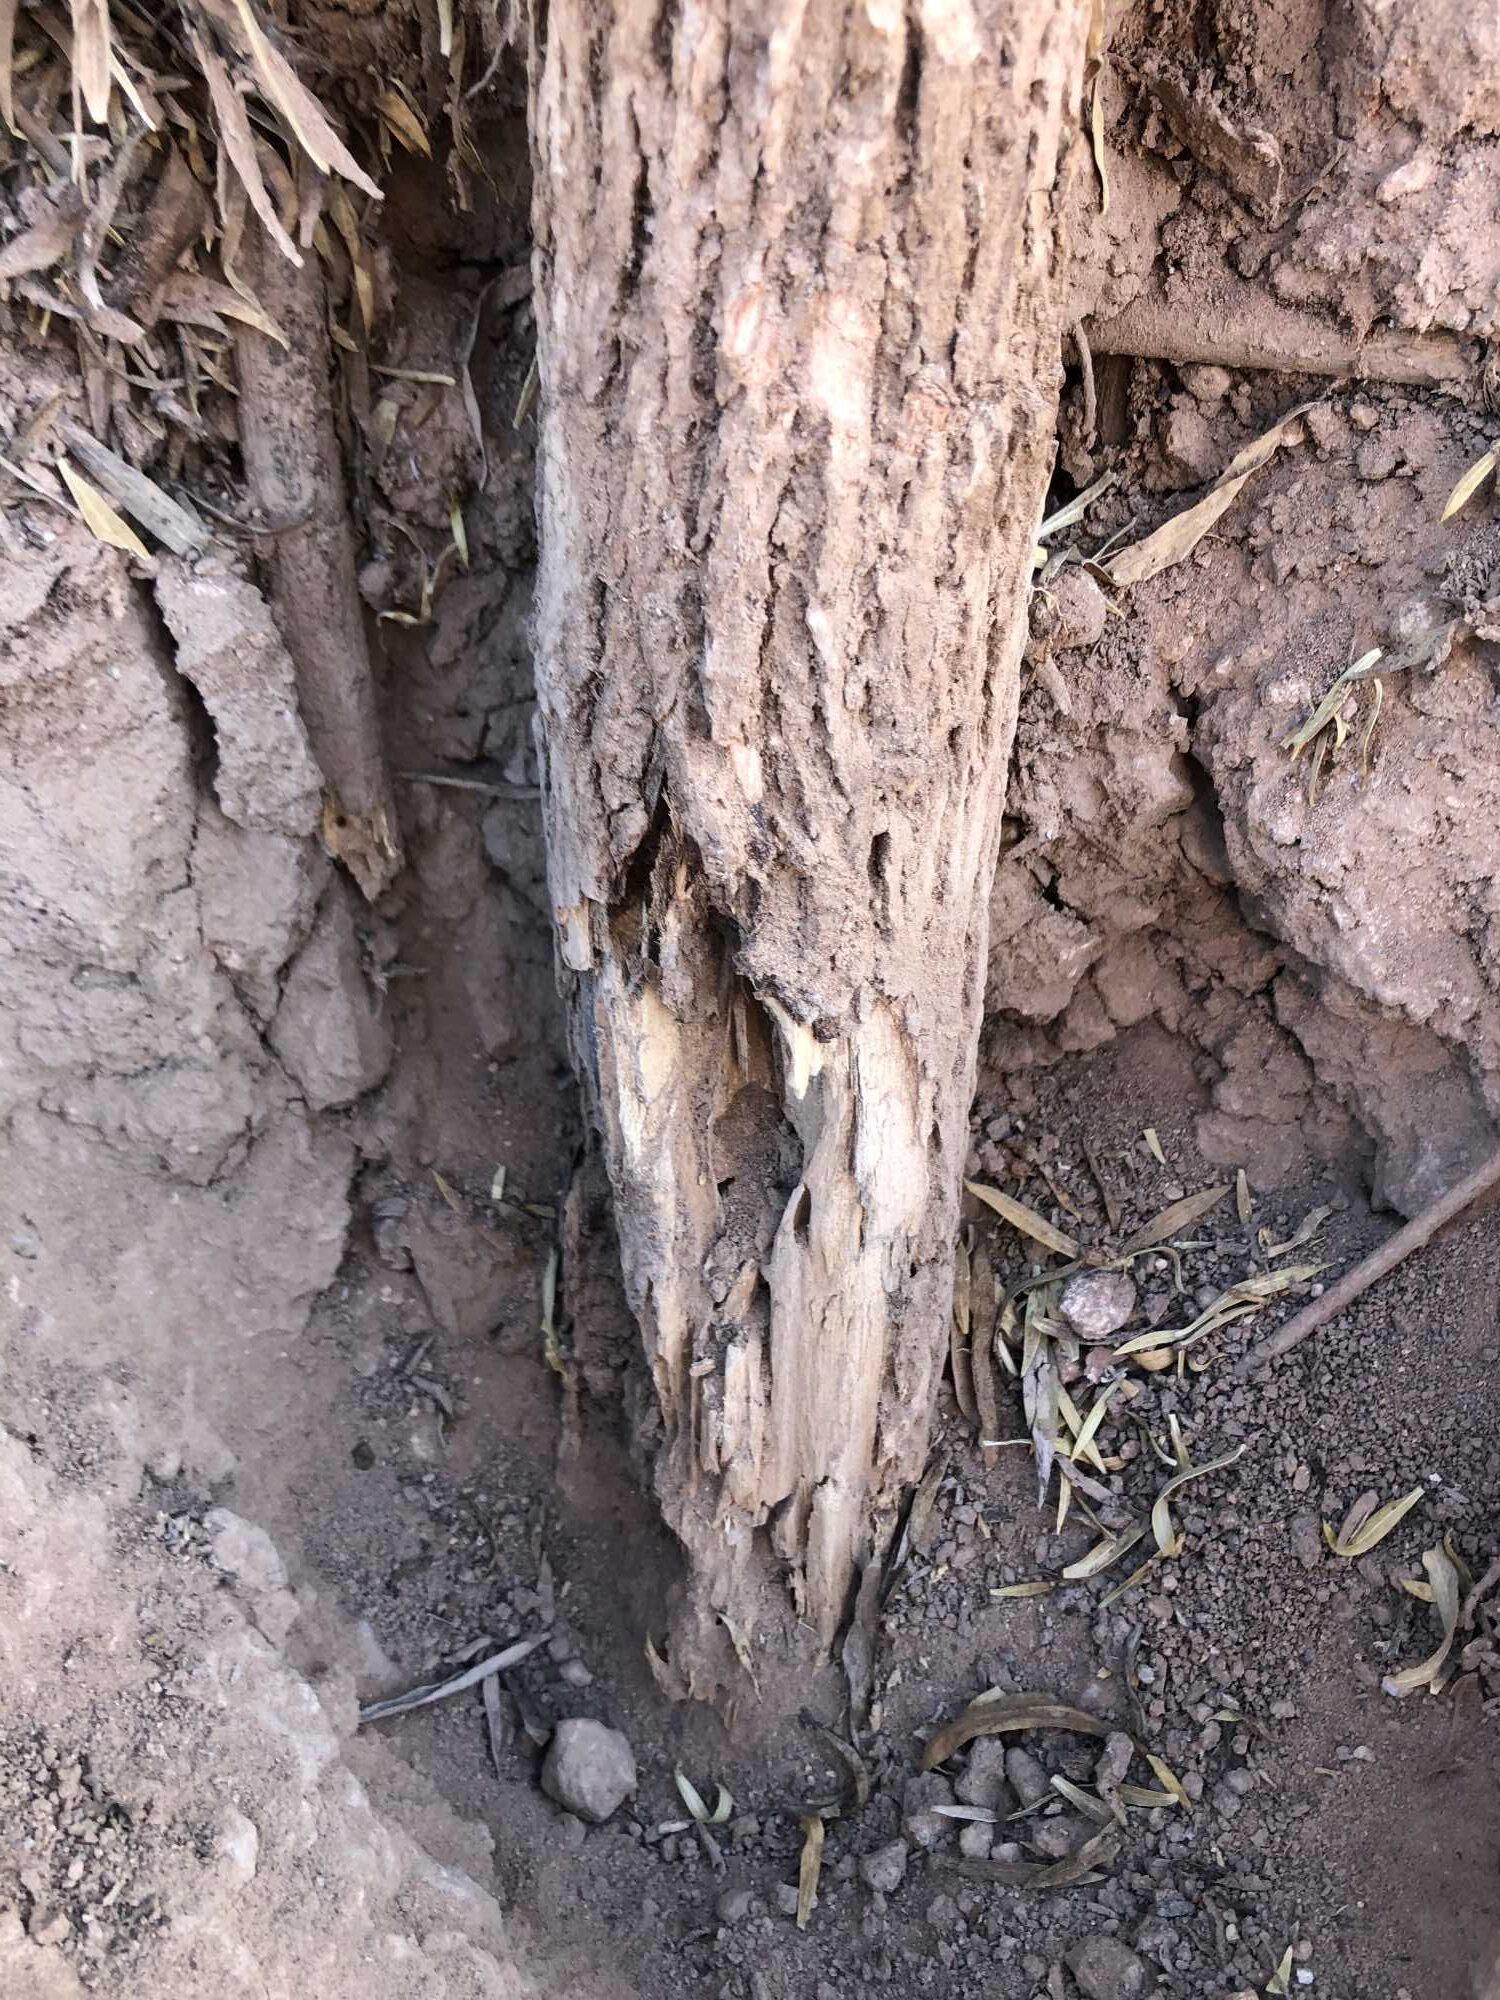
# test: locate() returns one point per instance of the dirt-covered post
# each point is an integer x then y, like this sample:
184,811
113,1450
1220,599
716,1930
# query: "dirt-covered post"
798,279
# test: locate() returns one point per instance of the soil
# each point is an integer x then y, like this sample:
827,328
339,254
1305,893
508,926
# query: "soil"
292,1415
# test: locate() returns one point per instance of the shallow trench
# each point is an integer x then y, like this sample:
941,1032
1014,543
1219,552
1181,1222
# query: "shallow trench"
293,1413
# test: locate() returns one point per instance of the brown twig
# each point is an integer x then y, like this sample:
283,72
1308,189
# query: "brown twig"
1421,1229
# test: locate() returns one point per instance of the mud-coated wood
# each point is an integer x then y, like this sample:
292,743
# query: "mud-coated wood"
797,277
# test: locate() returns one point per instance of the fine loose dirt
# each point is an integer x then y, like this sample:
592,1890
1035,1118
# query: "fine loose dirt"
317,1380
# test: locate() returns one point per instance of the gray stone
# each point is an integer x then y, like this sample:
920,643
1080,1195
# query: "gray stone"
1096,1304
974,1841
1055,1839
589,1769
922,1824
1106,1969
1028,1780
983,1780
784,1895
885,1869
733,1906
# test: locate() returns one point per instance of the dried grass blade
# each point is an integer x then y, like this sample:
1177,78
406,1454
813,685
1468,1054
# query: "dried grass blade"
403,123
8,63
286,90
1096,134
1173,1219
99,517
1471,482
1280,1982
91,56
239,143
1038,1588
1442,1575
1025,1219
1367,734
1167,1777
1168,1541
420,1697
1103,1554
1179,536
1242,1203
1098,1851
199,301
1376,1526
998,1713
1153,1144
1076,508
809,1868
692,1798
1091,1806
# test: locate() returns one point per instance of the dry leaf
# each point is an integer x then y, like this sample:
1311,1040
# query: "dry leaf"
1242,1203
1280,1981
1471,482
1076,508
1172,1220
997,1713
445,27
281,86
1153,1145
1098,1851
1164,1773
1305,1231
1143,1797
1168,1542
809,1867
238,142
527,395
1019,1216
8,62
199,301
1182,533
1366,1535
1327,710
99,517
175,526
1443,1577
403,123
41,246
1036,1589
91,56
1103,1554
1087,1803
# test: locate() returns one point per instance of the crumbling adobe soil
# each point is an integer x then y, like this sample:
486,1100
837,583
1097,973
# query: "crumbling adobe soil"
281,1425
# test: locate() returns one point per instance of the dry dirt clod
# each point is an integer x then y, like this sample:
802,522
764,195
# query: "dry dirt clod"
1096,1304
1105,1969
589,1769
885,1869
982,1782
1028,1780
1079,611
